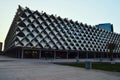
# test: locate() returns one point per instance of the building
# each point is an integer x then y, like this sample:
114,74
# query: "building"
36,34
0,46
106,26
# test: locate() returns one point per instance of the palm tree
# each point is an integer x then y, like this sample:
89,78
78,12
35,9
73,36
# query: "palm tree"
111,47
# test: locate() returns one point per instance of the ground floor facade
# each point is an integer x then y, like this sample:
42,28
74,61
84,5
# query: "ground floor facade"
22,52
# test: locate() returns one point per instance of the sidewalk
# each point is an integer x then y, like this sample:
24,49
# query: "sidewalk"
34,69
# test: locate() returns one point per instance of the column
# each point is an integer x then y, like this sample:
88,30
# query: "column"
40,54
67,54
107,55
87,55
117,55
78,55
54,54
22,54
94,55
101,55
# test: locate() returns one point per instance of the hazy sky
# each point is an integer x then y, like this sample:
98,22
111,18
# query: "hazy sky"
91,12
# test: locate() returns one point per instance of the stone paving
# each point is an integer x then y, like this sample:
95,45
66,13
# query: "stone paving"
34,69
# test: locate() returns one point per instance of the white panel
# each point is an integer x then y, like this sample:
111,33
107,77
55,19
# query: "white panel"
31,19
27,13
34,43
30,28
24,42
39,39
36,16
30,37
25,32
35,24
40,21
35,33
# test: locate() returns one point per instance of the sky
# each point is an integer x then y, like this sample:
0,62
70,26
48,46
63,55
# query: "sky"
92,12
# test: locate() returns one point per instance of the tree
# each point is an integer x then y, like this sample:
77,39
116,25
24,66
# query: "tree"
111,47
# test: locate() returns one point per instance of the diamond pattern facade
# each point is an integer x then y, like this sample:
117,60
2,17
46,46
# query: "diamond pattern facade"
33,29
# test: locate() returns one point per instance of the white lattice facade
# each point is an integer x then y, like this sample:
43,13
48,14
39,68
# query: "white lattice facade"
33,29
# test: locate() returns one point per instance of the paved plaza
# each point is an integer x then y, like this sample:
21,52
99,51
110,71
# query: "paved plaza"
36,69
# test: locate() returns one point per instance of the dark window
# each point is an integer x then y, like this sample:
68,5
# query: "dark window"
23,15
71,44
21,34
22,24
